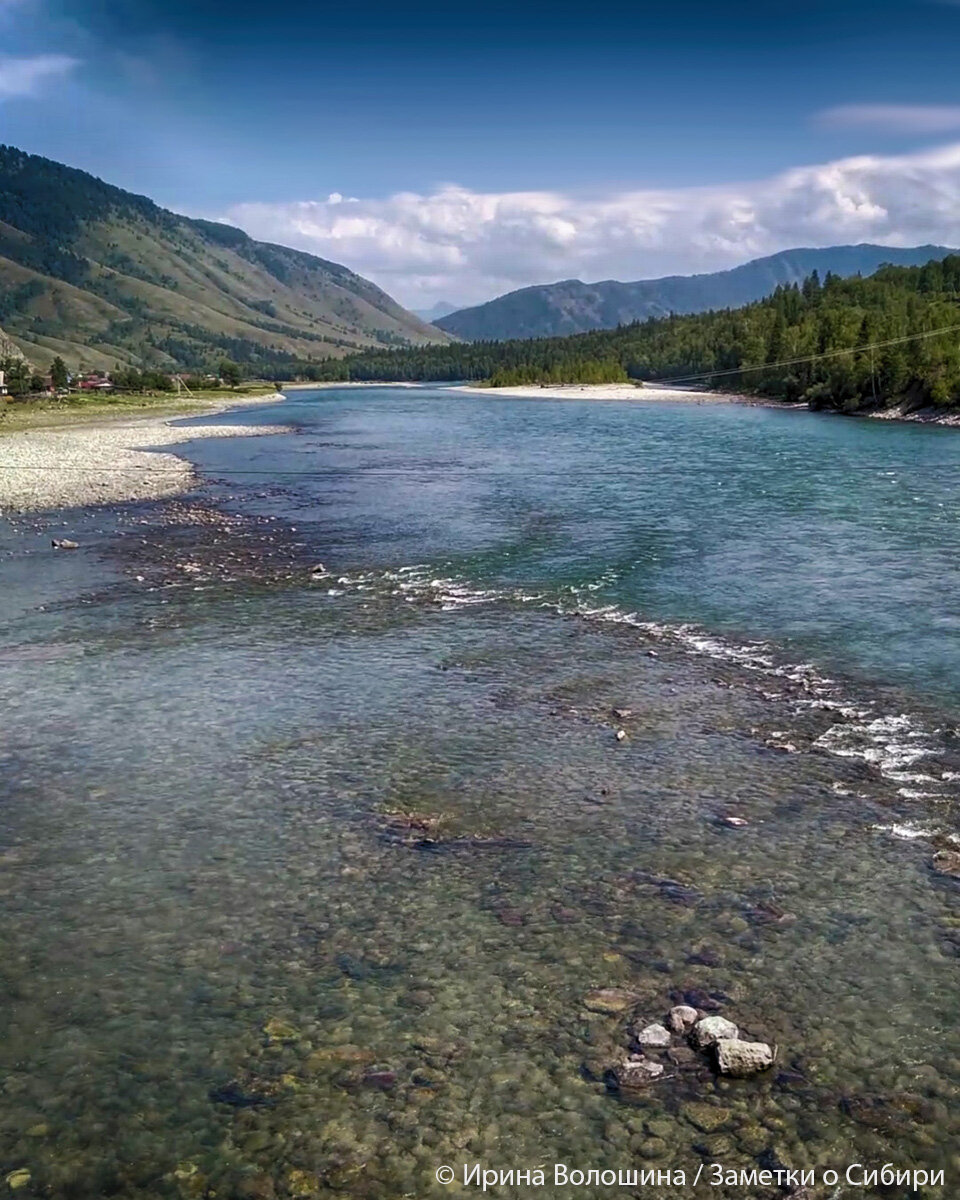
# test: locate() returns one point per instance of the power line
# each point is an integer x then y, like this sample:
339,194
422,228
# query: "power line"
786,362
793,362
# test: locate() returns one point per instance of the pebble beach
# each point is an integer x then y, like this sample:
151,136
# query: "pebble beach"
103,463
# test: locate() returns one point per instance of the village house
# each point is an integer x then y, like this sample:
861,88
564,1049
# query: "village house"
95,383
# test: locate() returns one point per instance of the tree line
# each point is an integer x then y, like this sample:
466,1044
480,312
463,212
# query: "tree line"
22,381
828,325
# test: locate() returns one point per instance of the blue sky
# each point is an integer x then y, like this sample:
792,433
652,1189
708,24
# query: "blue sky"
427,122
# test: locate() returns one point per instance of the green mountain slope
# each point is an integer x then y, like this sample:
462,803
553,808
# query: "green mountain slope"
557,309
849,344
101,276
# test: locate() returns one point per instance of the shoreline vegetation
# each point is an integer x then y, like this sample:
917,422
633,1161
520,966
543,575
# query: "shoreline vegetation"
887,343
75,408
886,347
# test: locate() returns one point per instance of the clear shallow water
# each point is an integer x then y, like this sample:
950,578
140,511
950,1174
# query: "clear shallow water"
203,773
835,537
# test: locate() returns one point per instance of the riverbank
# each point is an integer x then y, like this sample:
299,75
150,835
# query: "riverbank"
921,416
105,457
606,391
679,395
88,408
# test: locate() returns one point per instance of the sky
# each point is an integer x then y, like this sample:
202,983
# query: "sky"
457,151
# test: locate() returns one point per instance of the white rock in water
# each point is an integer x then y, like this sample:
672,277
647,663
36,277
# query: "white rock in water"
743,1059
682,1018
712,1029
637,1072
621,735
653,1035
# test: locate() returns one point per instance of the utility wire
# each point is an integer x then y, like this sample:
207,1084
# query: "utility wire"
346,471
792,362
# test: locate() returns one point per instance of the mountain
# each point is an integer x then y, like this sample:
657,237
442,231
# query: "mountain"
100,276
556,309
442,308
850,344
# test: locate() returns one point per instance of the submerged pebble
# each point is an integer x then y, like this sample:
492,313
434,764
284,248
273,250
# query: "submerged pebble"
610,1000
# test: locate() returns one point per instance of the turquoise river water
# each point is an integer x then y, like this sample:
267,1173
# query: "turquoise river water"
316,834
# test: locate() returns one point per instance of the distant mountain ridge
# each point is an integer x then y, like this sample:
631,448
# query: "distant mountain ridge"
101,276
557,309
442,308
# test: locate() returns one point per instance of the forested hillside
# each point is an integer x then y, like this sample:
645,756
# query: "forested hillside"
99,276
558,309
825,325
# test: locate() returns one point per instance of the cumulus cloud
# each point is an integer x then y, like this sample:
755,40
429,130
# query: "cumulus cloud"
27,76
894,118
470,246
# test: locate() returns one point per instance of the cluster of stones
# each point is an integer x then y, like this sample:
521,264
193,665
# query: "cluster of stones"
711,1035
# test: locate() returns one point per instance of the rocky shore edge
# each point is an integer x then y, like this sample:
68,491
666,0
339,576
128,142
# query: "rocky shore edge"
110,461
656,392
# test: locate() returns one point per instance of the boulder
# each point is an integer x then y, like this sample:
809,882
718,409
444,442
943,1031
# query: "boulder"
743,1059
947,862
636,1072
682,1018
653,1036
711,1029
621,735
64,544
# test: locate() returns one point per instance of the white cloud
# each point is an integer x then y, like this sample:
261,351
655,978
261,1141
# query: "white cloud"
894,118
470,246
27,76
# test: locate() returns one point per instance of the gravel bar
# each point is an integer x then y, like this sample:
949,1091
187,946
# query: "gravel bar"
76,466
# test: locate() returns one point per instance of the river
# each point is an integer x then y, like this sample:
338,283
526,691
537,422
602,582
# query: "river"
316,832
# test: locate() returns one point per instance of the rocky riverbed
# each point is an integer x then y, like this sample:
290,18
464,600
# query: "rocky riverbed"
323,863
331,919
